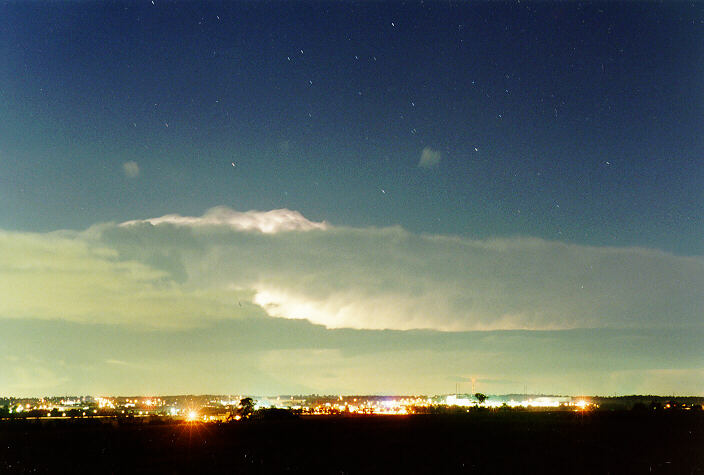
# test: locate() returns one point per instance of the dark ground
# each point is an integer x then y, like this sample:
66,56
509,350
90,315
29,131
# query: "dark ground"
560,442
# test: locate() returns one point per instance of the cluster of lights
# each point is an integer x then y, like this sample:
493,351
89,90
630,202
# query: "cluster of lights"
105,403
539,402
372,407
220,409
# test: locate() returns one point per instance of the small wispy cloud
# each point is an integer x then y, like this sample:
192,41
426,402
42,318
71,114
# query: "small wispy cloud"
131,169
429,158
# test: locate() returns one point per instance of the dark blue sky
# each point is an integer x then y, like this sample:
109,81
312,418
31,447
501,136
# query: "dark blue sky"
571,122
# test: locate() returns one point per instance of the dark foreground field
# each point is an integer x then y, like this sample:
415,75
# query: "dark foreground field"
476,443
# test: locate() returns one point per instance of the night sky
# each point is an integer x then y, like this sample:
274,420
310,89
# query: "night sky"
506,191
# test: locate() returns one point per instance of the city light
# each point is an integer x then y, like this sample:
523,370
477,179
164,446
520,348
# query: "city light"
220,409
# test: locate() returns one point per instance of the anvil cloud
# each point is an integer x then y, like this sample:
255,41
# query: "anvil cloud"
181,272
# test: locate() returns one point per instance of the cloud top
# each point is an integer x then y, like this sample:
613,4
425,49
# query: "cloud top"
267,222
429,158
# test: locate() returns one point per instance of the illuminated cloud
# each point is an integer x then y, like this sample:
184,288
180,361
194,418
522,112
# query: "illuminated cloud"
179,272
131,169
54,276
268,222
429,158
403,281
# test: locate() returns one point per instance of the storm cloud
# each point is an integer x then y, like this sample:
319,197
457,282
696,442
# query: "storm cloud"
183,272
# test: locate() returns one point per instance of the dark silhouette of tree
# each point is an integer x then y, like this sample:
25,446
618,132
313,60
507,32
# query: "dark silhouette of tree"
245,408
480,397
242,411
